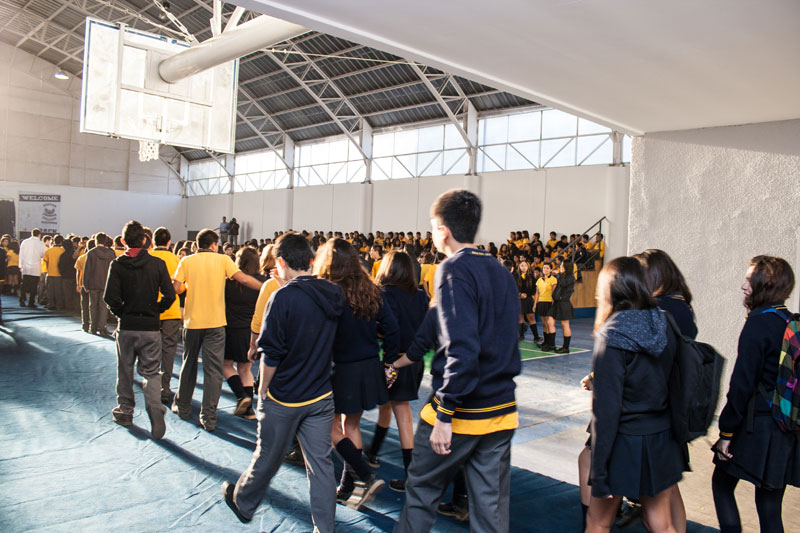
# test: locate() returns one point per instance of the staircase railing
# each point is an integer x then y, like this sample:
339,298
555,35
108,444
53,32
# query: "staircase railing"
572,248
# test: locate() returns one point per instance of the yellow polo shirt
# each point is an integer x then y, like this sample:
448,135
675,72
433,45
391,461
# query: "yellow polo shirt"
266,291
375,266
80,265
171,260
51,257
204,274
545,288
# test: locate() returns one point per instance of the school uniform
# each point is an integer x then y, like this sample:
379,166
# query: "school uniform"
240,304
409,310
675,304
634,453
473,389
98,261
762,453
562,305
544,286
358,379
527,286
170,327
55,294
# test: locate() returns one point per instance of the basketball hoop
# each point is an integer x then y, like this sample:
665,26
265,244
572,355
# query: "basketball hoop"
148,151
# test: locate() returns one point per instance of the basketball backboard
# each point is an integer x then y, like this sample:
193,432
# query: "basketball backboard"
124,96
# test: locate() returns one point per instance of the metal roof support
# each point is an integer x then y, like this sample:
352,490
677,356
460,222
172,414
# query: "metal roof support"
319,86
444,100
267,118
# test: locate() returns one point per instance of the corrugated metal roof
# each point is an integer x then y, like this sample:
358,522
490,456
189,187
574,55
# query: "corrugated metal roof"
382,92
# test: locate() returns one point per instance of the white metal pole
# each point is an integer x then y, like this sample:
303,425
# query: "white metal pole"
232,44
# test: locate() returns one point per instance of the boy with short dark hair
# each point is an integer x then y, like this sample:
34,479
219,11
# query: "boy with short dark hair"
295,393
472,414
134,281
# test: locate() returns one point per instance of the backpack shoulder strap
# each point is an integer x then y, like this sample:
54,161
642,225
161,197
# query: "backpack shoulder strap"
780,310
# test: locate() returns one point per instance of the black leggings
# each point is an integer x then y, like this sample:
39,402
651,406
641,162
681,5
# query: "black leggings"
768,505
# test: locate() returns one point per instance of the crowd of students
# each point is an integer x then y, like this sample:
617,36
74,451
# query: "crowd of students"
340,324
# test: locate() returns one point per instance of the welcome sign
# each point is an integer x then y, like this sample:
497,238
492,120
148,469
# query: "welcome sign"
41,211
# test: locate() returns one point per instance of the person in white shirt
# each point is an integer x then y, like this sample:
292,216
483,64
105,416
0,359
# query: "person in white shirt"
31,251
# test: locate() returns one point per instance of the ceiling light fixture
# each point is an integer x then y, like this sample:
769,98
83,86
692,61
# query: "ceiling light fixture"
60,75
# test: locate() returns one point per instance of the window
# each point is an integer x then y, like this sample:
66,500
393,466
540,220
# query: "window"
330,161
430,151
258,171
541,139
207,177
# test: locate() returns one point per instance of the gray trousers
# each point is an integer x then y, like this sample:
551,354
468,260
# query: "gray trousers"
212,343
42,290
146,347
84,310
98,312
277,425
487,468
55,294
170,330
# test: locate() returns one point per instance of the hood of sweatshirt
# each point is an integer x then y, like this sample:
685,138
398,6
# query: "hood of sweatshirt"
134,263
328,296
637,330
103,253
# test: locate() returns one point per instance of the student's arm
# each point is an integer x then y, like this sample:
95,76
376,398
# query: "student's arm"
389,330
273,347
607,386
113,292
247,281
536,295
179,278
266,374
166,288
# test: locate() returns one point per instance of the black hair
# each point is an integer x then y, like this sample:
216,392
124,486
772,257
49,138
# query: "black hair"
295,250
133,233
36,232
162,236
206,238
58,239
663,275
460,211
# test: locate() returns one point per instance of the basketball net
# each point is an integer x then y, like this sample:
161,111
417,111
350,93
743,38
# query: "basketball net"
148,151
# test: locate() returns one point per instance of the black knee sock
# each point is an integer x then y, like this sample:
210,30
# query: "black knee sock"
235,383
347,481
769,505
352,455
723,486
406,458
248,392
522,328
566,342
535,330
584,510
377,439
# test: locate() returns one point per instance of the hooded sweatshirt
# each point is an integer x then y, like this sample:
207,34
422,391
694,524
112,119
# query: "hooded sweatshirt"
297,337
132,291
633,358
95,272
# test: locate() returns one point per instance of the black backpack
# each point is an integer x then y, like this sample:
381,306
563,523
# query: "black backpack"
694,386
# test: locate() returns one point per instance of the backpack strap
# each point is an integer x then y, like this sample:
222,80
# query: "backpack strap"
780,310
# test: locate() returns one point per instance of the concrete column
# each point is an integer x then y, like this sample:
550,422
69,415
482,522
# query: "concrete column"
366,146
472,135
365,215
288,158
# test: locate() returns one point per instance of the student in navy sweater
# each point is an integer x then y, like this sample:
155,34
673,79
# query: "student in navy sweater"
472,414
751,445
399,283
358,377
295,395
634,453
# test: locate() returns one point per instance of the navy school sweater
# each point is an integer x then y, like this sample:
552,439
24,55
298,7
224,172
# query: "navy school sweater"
427,336
676,305
357,338
297,337
478,355
409,310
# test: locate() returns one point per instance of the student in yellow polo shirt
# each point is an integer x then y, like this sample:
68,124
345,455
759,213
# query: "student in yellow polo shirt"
171,318
55,294
202,276
542,304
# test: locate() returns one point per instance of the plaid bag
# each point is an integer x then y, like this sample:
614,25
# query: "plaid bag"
785,400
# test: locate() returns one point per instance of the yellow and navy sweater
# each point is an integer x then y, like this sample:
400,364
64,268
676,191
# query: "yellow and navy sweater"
478,355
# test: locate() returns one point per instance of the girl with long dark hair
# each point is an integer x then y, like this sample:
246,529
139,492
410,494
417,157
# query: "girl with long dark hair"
562,305
633,451
409,303
358,377
752,446
526,283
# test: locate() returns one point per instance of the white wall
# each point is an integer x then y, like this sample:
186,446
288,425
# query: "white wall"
566,200
713,198
40,143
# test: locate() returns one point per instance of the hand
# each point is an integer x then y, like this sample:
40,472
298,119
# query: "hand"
523,295
274,273
391,376
252,353
587,383
722,449
262,388
441,436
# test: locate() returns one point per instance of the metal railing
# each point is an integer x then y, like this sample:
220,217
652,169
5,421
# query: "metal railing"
572,248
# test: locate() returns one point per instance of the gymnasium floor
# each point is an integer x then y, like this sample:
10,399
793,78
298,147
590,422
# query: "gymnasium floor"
65,466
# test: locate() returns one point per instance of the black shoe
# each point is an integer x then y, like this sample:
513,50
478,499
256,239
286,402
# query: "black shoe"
295,457
561,350
372,459
342,494
365,491
538,340
177,411
157,425
227,493
547,347
398,485
32,306
242,406
250,414
460,513
122,419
